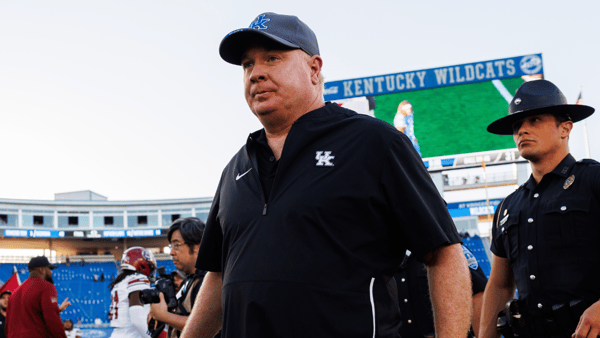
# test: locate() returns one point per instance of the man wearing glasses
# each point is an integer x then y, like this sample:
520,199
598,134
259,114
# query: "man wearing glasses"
184,235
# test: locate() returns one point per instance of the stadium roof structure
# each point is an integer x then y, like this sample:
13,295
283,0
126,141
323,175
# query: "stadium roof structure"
85,214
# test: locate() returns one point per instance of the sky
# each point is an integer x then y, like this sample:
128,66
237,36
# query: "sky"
131,100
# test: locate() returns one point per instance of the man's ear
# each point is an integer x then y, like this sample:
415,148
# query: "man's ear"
315,63
566,128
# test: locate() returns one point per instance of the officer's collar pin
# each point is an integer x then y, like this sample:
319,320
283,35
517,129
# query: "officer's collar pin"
517,101
564,171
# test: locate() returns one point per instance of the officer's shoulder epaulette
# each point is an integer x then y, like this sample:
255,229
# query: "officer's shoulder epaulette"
587,161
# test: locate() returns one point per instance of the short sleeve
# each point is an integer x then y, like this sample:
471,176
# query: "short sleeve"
139,282
596,181
211,246
418,214
496,246
478,279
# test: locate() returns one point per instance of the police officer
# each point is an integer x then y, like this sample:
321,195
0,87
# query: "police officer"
545,234
414,296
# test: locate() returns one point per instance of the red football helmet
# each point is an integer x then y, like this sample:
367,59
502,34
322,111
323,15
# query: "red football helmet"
138,259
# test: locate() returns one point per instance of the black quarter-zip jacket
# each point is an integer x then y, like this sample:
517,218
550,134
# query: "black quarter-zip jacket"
349,197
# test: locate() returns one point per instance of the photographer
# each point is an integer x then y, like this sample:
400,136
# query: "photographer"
184,235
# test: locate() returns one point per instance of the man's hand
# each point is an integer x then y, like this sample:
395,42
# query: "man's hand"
64,305
158,310
589,323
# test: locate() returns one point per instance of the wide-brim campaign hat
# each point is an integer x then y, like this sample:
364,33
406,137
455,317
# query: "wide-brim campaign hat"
538,97
40,262
287,30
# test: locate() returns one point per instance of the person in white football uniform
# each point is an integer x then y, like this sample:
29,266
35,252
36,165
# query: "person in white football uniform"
127,314
70,331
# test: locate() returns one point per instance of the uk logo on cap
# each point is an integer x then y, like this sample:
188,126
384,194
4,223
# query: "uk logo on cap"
260,22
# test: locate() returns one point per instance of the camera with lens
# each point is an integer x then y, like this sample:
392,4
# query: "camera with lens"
163,284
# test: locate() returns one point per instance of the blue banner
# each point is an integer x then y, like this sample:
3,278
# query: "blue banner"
34,233
82,233
131,233
474,208
435,77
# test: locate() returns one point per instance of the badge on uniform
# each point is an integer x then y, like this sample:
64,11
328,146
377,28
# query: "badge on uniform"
568,182
504,220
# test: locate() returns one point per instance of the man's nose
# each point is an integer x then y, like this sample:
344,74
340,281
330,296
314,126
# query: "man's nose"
523,129
259,73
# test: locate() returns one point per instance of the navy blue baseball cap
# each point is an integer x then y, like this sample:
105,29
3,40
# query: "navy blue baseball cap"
286,30
40,262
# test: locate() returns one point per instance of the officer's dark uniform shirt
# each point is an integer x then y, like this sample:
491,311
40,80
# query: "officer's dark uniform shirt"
414,298
549,234
316,258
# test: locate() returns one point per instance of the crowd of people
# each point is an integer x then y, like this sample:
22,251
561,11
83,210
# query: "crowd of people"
327,224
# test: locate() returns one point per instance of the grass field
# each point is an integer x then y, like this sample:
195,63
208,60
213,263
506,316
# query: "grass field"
453,120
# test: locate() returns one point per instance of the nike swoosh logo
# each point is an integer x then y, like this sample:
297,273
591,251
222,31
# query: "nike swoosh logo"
242,175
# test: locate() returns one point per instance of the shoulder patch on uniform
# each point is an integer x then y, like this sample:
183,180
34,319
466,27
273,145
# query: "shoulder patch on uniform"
471,260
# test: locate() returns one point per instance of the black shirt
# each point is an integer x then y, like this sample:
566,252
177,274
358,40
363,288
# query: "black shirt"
267,164
2,324
549,234
317,256
414,298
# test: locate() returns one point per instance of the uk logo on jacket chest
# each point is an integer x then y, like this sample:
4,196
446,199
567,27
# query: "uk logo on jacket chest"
324,159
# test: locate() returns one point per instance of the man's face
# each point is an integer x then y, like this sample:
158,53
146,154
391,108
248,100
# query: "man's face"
4,301
183,259
48,275
68,325
276,81
537,136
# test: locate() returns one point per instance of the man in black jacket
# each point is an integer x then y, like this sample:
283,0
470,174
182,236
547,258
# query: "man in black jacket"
313,215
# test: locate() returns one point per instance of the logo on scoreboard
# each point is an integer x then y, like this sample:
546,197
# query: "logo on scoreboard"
531,64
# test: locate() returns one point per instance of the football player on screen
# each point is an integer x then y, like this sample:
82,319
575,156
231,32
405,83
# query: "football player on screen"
404,121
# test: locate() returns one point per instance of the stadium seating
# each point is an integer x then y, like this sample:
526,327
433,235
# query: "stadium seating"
89,298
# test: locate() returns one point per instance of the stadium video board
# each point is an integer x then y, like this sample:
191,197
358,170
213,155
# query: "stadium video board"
444,111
